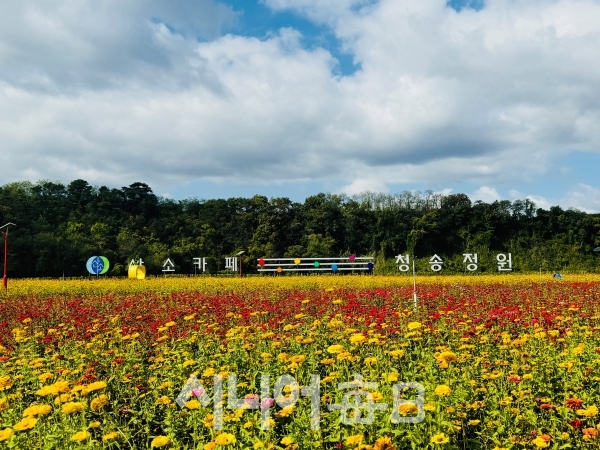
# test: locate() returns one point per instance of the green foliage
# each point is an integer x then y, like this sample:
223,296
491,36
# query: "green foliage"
59,227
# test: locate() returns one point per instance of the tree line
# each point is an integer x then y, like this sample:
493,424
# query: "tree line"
60,226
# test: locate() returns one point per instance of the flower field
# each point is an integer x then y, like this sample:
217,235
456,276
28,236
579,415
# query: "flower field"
506,362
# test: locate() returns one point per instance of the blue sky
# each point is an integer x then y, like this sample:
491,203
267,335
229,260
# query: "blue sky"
222,98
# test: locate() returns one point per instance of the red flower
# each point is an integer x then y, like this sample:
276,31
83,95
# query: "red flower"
546,406
576,423
515,378
573,403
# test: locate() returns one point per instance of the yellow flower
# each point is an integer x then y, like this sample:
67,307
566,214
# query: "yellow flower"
72,407
377,396
414,326
298,359
225,439
45,376
170,324
474,422
354,440
59,387
591,411
539,442
208,421
288,410
357,338
429,406
3,404
440,438
6,434
258,445
160,441
5,383
164,400
442,390
392,376
209,446
370,361
327,361
209,372
63,398
408,408
99,402
81,436
110,436
333,349
396,353
37,410
193,404
287,440
95,424
383,443
93,387
444,358
26,424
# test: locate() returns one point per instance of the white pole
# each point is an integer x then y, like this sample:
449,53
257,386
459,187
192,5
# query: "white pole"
414,284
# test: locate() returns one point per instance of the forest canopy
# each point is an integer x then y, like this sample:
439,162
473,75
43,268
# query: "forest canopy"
60,226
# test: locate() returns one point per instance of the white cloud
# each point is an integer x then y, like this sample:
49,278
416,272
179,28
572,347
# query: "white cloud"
584,197
360,185
486,194
116,91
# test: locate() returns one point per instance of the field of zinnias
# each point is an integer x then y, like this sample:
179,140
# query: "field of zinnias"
505,362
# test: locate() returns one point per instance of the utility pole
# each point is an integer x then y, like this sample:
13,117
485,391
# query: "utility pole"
414,284
5,234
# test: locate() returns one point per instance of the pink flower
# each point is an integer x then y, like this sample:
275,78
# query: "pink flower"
266,403
198,392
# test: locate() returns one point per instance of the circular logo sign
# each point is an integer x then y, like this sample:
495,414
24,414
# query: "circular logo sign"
97,265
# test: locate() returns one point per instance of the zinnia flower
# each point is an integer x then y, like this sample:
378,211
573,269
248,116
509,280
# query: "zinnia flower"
81,436
37,410
225,439
573,403
99,402
93,387
25,424
439,439
354,440
443,390
591,411
6,434
408,408
160,441
110,436
72,407
384,443
333,349
444,358
357,338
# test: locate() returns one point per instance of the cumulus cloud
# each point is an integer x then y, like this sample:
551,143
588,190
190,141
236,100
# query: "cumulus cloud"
164,92
486,194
